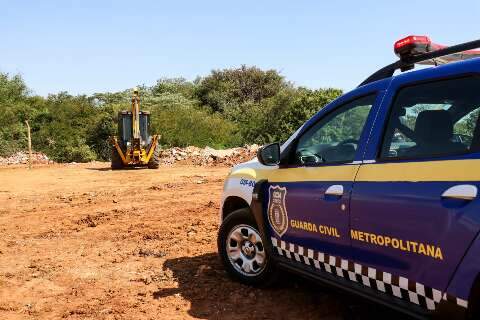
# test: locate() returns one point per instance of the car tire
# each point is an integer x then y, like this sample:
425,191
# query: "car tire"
242,250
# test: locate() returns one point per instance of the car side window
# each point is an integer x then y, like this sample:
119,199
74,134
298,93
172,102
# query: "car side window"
433,119
335,137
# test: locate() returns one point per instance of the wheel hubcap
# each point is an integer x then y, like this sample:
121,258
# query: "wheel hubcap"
248,249
245,250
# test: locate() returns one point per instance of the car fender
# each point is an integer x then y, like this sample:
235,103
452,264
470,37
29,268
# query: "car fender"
241,181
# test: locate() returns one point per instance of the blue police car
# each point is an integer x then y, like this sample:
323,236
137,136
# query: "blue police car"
376,194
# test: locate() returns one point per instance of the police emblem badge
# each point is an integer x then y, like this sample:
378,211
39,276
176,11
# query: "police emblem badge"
277,211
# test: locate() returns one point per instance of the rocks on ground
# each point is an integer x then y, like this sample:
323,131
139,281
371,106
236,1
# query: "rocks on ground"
190,155
21,157
208,156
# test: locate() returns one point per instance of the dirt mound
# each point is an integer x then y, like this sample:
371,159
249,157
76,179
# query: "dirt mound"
208,156
21,157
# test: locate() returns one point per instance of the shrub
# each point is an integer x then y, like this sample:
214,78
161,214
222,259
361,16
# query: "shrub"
186,125
226,88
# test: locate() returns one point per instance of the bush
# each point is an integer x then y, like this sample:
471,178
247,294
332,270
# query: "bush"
292,111
99,133
276,118
186,125
81,153
224,89
14,110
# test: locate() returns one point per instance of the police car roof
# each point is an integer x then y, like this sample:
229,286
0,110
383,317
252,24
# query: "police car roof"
456,67
462,66
414,50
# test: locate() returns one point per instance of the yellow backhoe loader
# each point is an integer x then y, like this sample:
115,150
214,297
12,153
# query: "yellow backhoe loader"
134,146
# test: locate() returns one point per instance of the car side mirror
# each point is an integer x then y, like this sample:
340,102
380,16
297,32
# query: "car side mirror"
269,155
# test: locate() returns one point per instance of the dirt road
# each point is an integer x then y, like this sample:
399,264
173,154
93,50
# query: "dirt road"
83,242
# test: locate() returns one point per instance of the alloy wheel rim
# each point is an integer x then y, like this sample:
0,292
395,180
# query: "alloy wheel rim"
245,250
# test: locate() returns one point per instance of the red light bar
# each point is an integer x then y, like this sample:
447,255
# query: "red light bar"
416,45
412,45
411,40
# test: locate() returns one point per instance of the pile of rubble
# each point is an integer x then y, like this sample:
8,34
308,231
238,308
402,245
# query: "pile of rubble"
208,156
190,155
21,157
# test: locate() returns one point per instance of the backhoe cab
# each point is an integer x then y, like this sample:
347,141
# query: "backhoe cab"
134,146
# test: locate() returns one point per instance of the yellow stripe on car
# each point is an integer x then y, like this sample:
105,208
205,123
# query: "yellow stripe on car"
327,173
446,170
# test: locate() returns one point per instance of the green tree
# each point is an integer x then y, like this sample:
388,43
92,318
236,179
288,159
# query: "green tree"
15,107
184,124
276,118
173,86
223,89
98,135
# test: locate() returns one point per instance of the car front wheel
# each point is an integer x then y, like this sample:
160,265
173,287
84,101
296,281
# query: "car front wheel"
242,250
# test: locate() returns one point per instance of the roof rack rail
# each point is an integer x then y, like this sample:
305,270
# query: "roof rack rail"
408,62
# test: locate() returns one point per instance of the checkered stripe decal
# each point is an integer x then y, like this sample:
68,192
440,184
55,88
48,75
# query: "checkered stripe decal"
397,286
457,301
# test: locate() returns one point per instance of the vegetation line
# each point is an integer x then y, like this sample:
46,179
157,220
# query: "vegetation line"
226,108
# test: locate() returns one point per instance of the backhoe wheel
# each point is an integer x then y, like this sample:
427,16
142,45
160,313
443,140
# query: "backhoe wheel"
116,160
154,161
242,250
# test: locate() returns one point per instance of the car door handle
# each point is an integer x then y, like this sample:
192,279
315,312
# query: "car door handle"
334,190
461,192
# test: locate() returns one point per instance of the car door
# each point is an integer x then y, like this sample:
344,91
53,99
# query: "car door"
308,196
414,207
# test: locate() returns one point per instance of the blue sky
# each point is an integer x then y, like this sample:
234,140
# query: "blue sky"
96,46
